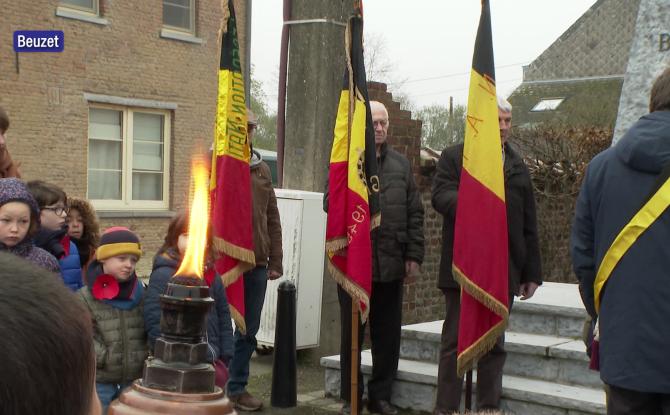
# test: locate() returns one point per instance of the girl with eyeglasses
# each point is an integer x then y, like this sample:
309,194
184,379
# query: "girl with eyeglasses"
52,235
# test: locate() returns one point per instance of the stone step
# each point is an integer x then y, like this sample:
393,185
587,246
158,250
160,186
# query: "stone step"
550,358
415,388
556,309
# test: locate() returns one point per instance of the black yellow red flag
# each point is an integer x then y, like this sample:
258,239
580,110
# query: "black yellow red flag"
480,260
353,184
230,183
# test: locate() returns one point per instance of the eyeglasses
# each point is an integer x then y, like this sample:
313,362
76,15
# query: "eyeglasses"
58,210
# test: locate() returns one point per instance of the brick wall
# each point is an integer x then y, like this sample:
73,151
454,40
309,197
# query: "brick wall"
44,92
422,300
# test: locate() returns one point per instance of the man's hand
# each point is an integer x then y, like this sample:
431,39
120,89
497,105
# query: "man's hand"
527,289
273,275
412,268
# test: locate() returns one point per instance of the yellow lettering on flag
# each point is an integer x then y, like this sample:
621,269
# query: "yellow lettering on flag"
231,118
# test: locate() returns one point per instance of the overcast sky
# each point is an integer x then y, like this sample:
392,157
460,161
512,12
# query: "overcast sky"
434,39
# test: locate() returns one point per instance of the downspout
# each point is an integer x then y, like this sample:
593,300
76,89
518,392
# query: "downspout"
281,104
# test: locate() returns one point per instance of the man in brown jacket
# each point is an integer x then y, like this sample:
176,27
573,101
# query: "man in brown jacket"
268,250
7,167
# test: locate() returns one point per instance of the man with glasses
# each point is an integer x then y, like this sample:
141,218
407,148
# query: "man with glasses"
397,252
52,235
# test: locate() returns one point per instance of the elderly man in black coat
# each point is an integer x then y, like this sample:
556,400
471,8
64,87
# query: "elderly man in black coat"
524,265
629,260
397,252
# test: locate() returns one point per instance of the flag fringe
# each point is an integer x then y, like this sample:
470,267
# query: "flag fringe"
479,294
235,272
469,356
467,359
239,320
351,288
336,244
235,251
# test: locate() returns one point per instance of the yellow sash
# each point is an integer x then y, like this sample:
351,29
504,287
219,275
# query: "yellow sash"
629,234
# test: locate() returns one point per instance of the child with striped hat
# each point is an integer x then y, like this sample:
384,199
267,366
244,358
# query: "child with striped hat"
115,297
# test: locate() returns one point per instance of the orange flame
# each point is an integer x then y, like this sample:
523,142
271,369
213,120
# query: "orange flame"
194,257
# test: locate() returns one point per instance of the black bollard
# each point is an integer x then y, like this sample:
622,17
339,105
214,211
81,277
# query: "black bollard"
284,371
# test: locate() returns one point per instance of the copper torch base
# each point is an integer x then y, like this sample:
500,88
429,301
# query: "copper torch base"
139,400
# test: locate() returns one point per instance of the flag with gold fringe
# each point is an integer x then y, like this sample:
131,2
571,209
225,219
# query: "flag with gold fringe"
230,183
353,184
480,261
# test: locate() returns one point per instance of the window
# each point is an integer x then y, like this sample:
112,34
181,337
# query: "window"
179,15
90,6
128,150
547,104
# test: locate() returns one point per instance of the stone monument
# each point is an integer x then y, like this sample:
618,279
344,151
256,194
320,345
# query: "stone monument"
649,56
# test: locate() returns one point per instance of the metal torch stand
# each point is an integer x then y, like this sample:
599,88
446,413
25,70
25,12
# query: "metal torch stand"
178,379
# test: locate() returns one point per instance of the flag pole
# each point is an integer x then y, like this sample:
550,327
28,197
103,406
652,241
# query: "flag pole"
468,391
354,356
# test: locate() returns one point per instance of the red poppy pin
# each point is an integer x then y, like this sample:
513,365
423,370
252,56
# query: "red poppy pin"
105,287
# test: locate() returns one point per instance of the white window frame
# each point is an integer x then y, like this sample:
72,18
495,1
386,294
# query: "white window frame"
127,203
95,10
191,30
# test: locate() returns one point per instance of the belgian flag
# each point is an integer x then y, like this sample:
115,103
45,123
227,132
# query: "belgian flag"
230,183
353,183
480,261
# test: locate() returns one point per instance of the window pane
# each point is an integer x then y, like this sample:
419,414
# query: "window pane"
148,156
104,154
147,127
85,4
147,186
103,123
177,13
104,185
549,104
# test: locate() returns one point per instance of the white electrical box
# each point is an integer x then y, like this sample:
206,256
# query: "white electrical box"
303,223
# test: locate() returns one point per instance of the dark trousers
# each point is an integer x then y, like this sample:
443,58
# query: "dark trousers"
385,319
255,284
622,401
489,367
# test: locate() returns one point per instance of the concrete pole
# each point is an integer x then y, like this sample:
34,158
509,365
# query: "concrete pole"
315,72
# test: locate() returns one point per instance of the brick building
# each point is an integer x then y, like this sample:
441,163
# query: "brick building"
118,114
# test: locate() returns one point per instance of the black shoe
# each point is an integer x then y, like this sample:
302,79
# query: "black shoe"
381,407
346,409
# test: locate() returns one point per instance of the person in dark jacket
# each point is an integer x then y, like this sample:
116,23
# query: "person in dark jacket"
19,221
52,235
166,263
524,265
7,166
398,250
634,307
83,228
47,354
114,297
